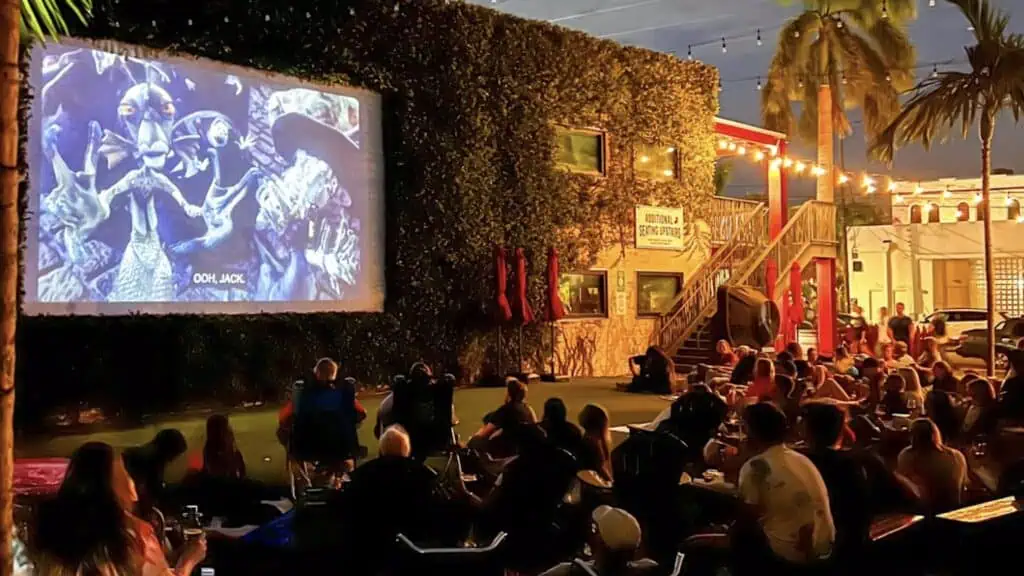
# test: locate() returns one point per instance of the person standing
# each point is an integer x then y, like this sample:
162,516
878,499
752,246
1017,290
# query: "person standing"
901,326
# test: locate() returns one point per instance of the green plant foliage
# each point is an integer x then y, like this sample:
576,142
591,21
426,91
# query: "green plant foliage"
471,99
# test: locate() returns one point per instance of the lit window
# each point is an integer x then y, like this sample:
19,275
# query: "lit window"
584,293
963,212
656,162
915,214
656,292
932,210
1013,209
580,150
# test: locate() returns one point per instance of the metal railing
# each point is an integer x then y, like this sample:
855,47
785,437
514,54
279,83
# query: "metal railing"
699,293
813,224
727,216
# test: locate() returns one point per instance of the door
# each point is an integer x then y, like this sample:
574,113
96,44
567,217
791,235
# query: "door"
952,283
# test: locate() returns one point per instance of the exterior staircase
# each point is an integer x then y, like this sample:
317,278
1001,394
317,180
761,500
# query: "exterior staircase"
746,258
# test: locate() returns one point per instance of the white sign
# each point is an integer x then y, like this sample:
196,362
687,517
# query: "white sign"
620,303
658,227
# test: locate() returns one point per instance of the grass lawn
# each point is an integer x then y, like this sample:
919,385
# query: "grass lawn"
264,457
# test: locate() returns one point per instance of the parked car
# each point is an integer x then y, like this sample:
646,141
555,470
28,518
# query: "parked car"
960,320
974,343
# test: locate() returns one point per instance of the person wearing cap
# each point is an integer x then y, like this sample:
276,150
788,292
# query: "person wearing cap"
614,542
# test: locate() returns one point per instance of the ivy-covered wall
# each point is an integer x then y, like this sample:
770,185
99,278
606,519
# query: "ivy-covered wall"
471,97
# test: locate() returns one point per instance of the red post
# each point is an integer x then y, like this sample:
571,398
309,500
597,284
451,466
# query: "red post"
826,271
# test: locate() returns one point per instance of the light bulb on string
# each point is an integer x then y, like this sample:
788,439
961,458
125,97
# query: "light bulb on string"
935,71
759,86
843,178
773,150
898,199
818,171
723,145
867,182
759,41
741,151
800,167
888,77
689,52
845,81
977,198
928,208
931,3
800,82
885,9
732,146
1020,219
776,162
918,189
1008,201
796,33
786,162
758,156
871,189
892,186
724,47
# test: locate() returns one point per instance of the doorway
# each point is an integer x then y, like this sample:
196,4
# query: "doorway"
952,283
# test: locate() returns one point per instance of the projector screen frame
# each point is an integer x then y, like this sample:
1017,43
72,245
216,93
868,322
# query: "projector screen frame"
371,280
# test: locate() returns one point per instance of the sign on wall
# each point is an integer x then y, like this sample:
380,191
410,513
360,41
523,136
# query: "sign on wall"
659,227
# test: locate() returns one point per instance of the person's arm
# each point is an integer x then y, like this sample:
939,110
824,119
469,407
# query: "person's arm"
486,431
360,412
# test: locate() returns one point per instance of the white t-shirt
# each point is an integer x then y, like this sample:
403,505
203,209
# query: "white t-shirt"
790,495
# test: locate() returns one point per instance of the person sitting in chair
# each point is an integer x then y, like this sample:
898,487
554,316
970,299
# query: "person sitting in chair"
653,372
423,406
319,425
615,540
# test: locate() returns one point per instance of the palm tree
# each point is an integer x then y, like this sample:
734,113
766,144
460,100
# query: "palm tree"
995,82
19,19
834,56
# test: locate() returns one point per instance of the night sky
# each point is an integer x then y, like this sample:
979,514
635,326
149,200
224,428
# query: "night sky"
939,33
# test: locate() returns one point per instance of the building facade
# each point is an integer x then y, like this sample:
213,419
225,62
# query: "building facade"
932,256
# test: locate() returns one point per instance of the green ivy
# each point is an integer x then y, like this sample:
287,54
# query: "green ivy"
470,96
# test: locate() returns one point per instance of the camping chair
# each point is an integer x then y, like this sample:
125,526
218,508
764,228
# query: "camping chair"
323,435
482,561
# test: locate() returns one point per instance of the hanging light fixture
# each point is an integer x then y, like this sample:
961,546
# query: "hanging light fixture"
723,145
759,86
759,42
977,198
935,71
689,52
885,9
724,47
843,178
947,193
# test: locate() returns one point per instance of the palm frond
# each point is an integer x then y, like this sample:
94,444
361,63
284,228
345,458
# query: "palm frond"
936,107
987,23
41,19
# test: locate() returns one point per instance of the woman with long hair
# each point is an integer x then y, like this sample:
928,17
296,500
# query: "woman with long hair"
913,390
89,528
940,472
597,440
221,457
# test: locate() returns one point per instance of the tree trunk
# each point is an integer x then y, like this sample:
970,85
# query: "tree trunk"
987,129
10,17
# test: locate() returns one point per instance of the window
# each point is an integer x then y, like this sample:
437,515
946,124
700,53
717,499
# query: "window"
580,150
963,212
932,210
656,162
1013,209
656,292
915,214
584,293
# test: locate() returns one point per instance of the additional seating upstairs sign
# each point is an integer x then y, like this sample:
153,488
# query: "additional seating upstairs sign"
659,227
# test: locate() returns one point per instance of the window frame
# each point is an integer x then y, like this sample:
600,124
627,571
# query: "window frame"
920,213
657,274
677,163
963,212
1013,206
603,150
604,314
934,213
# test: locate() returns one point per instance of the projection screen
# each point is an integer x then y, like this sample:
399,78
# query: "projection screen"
176,185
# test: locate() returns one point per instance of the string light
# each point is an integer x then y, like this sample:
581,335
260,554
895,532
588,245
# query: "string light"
885,9
773,150
800,167
898,198
818,171
723,145
668,173
741,151
644,159
759,42
776,162
1020,219
867,182
759,87
935,71
732,146
871,189
1008,201
960,214
892,185
977,198
843,178
931,3
918,189
947,193
758,156
786,162
724,47
928,208
689,52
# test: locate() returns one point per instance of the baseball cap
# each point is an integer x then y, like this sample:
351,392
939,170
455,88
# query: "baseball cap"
618,529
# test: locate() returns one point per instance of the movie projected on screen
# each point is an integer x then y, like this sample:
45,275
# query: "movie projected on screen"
173,185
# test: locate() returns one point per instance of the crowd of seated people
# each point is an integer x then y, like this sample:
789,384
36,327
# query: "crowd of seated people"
782,467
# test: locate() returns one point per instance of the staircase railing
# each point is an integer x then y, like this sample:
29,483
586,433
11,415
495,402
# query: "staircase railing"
699,292
728,216
813,224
